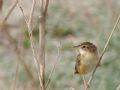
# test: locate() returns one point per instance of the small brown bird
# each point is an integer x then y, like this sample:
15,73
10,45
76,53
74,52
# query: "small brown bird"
86,59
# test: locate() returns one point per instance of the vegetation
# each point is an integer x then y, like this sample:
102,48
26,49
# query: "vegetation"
68,23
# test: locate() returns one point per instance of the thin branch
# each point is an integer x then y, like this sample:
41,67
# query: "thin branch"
14,45
10,11
106,45
42,28
5,18
31,13
31,40
41,6
16,75
54,66
42,50
19,56
28,24
45,6
26,21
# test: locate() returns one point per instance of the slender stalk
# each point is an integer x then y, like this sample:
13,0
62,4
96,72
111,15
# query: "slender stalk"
31,40
106,45
19,56
16,75
42,50
29,26
10,11
42,28
54,66
13,43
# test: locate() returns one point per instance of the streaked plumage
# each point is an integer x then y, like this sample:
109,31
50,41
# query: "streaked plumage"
86,59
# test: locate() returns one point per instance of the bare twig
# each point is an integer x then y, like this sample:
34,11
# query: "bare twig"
29,26
13,43
16,75
31,40
45,6
106,45
42,50
2,23
43,11
26,21
41,6
10,11
19,56
54,66
31,14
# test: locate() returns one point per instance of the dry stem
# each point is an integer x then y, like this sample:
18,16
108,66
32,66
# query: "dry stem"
42,50
13,43
16,75
29,26
42,22
9,11
19,56
54,66
106,45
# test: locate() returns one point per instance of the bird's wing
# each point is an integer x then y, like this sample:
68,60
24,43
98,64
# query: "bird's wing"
77,63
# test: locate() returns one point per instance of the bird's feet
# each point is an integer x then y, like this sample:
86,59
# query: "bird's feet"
86,85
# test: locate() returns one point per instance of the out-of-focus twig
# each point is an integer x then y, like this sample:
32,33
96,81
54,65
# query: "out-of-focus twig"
14,44
29,26
106,45
3,21
16,75
54,66
9,11
45,7
19,56
42,27
31,40
31,14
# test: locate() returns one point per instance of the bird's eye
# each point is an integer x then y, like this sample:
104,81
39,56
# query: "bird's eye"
83,46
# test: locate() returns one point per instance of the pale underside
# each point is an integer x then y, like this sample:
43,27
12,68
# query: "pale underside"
87,63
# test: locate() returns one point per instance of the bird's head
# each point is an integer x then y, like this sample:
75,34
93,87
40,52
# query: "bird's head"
86,47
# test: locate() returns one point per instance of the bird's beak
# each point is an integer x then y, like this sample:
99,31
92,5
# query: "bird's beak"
76,46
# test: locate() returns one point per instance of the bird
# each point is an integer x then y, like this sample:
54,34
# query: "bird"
86,59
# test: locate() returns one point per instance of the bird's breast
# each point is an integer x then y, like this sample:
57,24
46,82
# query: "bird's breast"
89,62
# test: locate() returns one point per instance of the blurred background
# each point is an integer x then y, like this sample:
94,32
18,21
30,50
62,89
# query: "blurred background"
69,22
